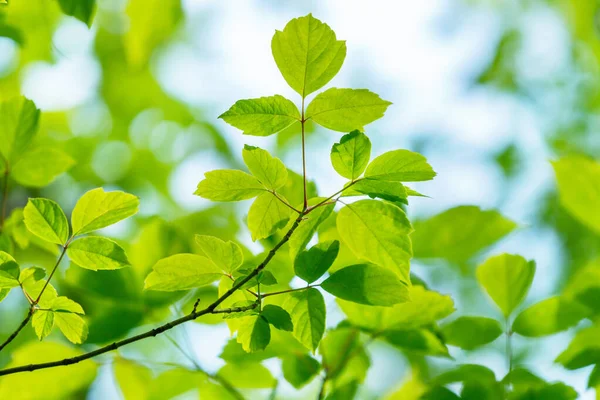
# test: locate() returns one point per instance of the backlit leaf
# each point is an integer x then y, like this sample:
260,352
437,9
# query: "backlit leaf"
254,333
308,226
42,323
98,209
345,110
45,219
267,215
401,166
471,332
97,253
40,166
263,116
299,369
307,309
182,272
311,264
387,190
9,271
225,255
228,185
83,10
549,316
583,350
351,155
20,118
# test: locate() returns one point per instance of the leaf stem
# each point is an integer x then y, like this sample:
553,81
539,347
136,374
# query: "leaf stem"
304,158
16,332
288,291
285,202
332,196
211,309
62,254
509,361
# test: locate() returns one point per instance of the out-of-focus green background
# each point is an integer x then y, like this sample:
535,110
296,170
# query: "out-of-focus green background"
490,91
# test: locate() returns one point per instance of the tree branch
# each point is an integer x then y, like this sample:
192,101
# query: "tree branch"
16,332
288,291
157,331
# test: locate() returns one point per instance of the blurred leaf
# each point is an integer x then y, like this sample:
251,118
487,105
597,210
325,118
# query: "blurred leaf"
583,350
182,272
311,264
506,279
351,155
377,232
549,316
367,284
579,187
95,253
263,116
401,166
307,309
20,119
228,185
247,376
471,332
345,110
98,209
307,54
502,70
9,271
584,287
83,10
459,233
420,341
344,356
40,166
132,379
299,369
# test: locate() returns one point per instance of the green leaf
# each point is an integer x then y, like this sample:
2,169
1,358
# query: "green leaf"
583,350
40,166
42,323
351,155
228,185
367,284
72,326
263,116
377,232
419,341
466,373
387,190
345,110
132,378
3,294
344,356
459,233
307,54
9,271
310,265
247,375
401,166
584,286
182,272
98,209
53,383
299,369
277,317
83,10
308,226
20,119
64,304
506,279
97,253
270,171
346,391
267,215
579,188
225,255
549,316
471,332
254,333
45,219
307,309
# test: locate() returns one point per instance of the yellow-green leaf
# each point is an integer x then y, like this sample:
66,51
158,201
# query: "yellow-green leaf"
254,333
308,226
45,219
351,155
98,209
270,171
20,118
471,332
401,166
308,54
345,110
72,326
97,253
549,316
40,166
263,116
311,264
228,185
307,309
9,271
267,215
42,323
225,255
182,272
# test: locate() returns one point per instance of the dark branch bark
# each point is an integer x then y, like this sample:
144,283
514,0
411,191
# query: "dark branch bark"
16,332
157,331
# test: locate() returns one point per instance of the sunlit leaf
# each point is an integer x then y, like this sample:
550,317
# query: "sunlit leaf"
269,170
254,333
225,255
247,376
96,253
307,309
346,110
583,350
42,323
307,54
549,316
401,166
40,166
98,209
132,379
311,264
351,155
20,119
182,272
418,341
387,190
45,219
277,317
228,185
263,116
471,332
9,271
267,215
299,369
308,226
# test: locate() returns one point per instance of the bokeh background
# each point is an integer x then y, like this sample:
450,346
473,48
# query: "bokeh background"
489,90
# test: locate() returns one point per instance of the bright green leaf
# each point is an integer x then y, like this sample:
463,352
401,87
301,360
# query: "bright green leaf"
311,264
377,232
471,332
506,279
247,375
345,110
228,185
351,155
549,316
97,253
387,190
307,309
419,341
225,255
20,119
277,317
307,54
263,116
9,271
83,10
98,209
72,326
269,170
267,215
367,284
182,272
344,356
40,166
400,166
45,219
299,369
42,323
579,188
308,226
132,379
459,233
583,350
254,333
64,304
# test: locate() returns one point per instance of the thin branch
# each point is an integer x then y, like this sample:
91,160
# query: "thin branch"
289,291
62,254
322,390
16,332
285,202
304,158
509,360
157,331
332,196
